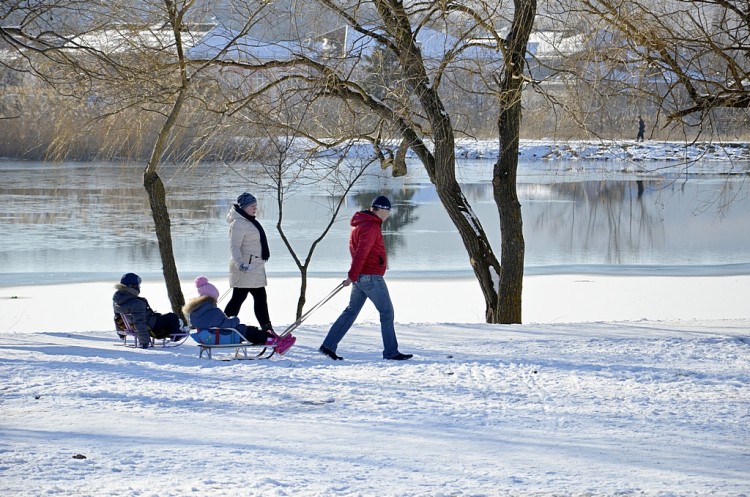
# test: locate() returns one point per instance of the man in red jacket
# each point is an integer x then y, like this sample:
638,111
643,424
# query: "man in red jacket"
366,272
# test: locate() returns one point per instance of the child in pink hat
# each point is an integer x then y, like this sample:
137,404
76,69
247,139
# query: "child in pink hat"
204,314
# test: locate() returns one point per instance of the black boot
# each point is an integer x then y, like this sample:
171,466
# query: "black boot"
330,353
400,357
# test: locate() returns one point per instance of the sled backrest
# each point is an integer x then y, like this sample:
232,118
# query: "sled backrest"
172,340
128,327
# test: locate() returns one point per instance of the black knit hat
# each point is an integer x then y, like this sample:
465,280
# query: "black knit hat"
131,279
382,202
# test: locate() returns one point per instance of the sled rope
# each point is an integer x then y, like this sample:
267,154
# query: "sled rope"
224,295
328,297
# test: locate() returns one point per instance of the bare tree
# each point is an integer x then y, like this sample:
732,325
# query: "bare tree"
411,109
289,163
338,179
689,58
127,58
504,175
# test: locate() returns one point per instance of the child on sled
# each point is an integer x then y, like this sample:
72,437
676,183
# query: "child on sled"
147,323
203,314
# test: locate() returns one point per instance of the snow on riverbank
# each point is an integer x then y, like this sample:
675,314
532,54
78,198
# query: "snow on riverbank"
622,155
653,151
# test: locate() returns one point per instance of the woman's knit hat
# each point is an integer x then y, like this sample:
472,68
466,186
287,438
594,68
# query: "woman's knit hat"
246,199
206,289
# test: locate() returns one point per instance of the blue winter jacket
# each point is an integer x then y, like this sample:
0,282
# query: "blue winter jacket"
203,314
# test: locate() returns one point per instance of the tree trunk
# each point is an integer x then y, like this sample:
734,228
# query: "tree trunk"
302,300
481,256
158,199
508,306
441,167
152,182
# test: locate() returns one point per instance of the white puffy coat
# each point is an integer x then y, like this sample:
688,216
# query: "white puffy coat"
244,244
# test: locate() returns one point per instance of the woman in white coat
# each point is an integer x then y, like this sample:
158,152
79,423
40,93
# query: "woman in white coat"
247,267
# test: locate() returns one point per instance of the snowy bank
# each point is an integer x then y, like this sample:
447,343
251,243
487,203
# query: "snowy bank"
594,150
615,150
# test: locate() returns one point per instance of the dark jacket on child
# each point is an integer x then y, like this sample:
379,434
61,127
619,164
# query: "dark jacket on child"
146,321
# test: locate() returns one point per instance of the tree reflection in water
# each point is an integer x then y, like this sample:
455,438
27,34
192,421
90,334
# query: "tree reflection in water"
95,218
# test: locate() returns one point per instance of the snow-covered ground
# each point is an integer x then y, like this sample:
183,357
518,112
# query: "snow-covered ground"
616,386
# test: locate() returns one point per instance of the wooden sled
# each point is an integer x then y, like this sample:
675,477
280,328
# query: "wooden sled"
239,347
129,330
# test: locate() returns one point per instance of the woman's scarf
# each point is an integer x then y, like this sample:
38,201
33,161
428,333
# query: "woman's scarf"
265,253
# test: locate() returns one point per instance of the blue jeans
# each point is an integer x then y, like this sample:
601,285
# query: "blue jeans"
372,287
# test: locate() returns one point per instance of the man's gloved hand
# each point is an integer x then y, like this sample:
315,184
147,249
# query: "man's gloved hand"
244,267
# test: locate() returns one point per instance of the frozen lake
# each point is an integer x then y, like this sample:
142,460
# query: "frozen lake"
91,221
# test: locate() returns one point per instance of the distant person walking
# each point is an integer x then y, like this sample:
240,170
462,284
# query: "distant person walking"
366,272
247,268
641,129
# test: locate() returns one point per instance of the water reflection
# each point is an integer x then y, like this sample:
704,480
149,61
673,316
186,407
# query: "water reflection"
95,218
606,218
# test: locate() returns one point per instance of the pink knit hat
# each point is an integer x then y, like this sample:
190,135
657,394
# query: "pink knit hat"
206,289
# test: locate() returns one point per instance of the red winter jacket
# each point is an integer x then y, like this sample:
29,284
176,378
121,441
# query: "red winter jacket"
366,245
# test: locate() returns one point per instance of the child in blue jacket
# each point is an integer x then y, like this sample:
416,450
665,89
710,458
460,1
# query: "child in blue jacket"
203,314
